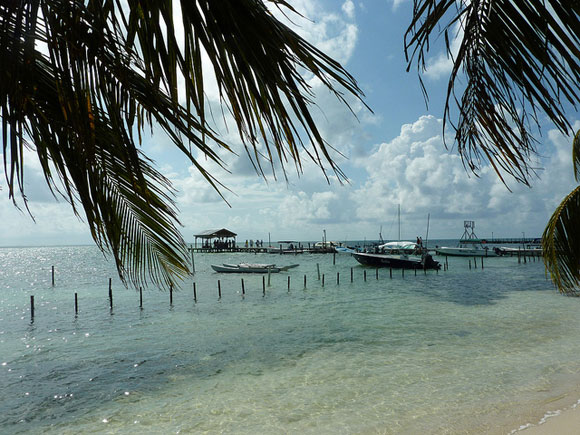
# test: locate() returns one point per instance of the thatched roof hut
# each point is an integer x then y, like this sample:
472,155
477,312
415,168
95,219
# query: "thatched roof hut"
209,235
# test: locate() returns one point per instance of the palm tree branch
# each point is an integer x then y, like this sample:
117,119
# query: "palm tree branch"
561,244
518,58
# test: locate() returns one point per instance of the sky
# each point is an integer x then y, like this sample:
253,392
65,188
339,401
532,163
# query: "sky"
393,157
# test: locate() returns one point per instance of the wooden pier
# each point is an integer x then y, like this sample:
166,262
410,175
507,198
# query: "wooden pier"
265,250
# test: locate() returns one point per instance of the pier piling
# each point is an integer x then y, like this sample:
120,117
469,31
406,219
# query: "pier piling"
219,289
76,304
194,293
141,297
111,293
53,276
32,307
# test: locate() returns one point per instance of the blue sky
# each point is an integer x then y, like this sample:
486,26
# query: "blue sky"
395,155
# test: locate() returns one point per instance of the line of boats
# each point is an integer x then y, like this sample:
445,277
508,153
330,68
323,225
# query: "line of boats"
400,254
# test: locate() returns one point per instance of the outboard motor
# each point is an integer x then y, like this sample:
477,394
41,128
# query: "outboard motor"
429,263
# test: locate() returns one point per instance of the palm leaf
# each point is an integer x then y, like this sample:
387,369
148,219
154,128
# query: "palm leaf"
517,58
561,244
107,71
576,155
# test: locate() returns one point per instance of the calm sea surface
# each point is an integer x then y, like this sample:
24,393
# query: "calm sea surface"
481,350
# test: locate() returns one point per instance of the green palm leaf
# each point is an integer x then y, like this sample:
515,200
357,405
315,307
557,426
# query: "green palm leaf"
576,155
80,81
561,244
516,58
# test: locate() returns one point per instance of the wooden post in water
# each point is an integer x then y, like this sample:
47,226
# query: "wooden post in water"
53,276
447,262
243,289
415,269
469,264
334,258
192,263
377,273
337,278
170,294
481,263
304,281
288,282
219,289
76,304
32,307
475,262
351,274
269,272
365,275
391,272
322,280
110,293
140,297
318,270
194,293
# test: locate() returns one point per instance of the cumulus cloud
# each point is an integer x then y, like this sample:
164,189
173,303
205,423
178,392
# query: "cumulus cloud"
417,172
440,65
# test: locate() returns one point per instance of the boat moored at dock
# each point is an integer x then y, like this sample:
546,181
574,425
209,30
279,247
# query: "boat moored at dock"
251,268
476,248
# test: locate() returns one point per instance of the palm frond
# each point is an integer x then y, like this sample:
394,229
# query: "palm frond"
82,80
561,245
576,155
518,58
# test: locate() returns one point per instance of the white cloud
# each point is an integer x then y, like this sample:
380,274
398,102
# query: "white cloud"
348,9
441,65
416,171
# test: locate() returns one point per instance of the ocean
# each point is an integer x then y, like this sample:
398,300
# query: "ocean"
462,351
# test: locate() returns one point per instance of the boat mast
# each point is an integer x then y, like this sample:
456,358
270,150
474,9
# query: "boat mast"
399,219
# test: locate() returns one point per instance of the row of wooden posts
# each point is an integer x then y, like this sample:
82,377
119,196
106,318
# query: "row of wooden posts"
320,278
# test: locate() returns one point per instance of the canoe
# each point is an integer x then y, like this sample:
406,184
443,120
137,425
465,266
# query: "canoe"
250,268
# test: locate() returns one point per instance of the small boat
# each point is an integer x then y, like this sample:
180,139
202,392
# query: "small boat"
477,249
344,250
397,261
398,255
251,268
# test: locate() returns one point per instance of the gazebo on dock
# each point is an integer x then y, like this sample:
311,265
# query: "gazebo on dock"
211,238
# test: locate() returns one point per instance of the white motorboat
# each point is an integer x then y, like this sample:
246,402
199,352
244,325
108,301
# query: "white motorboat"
477,249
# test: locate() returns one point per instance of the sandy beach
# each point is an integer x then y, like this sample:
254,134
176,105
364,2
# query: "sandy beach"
561,422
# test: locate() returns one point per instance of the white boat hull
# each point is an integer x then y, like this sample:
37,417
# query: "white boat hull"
466,252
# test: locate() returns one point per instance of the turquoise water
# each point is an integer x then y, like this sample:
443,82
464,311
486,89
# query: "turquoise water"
459,351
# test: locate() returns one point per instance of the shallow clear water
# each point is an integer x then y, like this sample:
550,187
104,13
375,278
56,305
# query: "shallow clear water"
460,351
